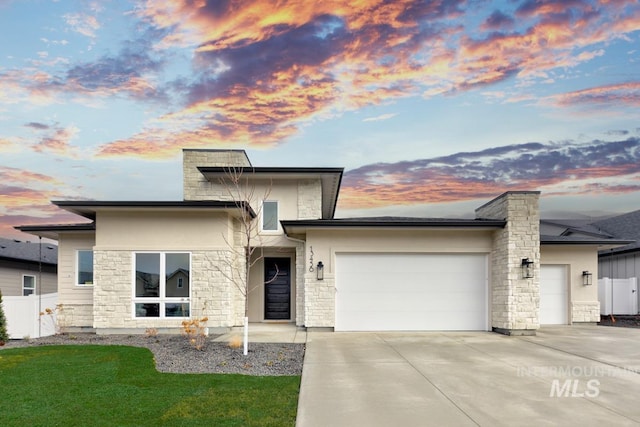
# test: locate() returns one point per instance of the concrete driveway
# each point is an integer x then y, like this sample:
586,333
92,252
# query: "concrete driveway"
573,375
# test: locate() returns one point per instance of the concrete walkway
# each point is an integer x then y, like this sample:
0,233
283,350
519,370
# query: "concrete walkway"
268,332
578,375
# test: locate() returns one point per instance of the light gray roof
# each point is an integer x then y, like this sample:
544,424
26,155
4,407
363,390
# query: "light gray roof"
14,249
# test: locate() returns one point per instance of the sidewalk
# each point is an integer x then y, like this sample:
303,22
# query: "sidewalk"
269,333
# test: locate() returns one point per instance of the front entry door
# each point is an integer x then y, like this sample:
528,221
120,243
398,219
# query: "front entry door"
277,288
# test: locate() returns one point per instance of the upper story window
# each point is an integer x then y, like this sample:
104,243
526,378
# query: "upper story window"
28,285
84,268
269,215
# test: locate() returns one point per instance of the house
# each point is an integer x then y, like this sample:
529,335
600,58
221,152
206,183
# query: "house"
494,271
619,262
27,268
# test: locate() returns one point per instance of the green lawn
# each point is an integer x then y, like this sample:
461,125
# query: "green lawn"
119,386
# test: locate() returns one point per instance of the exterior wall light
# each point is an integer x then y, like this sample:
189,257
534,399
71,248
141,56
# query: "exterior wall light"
320,271
587,278
527,268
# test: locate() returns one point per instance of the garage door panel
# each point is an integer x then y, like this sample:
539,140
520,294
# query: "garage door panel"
411,292
554,295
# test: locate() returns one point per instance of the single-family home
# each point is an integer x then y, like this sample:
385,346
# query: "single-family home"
27,268
155,263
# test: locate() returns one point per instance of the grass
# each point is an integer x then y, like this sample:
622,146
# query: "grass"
119,386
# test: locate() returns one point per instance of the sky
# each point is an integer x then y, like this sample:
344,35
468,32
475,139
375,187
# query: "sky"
432,107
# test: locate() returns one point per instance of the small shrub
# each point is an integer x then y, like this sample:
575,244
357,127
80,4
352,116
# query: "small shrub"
51,315
4,335
195,330
151,332
235,342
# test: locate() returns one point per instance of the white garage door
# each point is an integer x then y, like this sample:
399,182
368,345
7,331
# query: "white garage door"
404,292
554,295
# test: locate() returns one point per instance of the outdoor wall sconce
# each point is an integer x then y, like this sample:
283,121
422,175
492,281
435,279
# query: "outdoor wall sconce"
587,278
527,268
320,271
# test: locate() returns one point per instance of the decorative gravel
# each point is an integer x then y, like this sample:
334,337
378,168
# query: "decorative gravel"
173,353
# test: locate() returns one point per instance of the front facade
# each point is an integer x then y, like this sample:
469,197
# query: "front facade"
155,264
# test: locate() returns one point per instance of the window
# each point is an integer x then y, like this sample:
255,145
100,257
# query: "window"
84,266
162,284
28,285
269,216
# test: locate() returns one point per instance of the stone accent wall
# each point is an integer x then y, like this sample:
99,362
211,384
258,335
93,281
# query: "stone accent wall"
195,185
309,199
211,293
515,301
71,317
320,301
585,311
300,273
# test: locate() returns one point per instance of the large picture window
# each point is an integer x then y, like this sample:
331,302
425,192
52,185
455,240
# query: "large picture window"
84,263
162,284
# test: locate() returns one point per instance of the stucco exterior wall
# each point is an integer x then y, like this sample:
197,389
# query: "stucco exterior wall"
584,304
515,301
158,230
319,296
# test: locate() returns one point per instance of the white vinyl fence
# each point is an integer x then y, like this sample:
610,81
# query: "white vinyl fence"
23,315
618,296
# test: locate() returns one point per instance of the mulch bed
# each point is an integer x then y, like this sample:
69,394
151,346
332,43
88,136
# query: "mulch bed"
621,321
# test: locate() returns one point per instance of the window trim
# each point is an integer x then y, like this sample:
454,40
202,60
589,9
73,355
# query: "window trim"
262,218
34,284
77,269
161,299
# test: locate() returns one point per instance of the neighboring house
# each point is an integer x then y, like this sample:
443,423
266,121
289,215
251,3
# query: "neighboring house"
491,272
622,262
617,262
27,268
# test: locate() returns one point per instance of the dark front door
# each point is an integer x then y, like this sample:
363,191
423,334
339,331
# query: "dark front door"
277,288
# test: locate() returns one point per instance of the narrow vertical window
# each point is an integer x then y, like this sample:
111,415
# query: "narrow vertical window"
84,265
270,216
28,285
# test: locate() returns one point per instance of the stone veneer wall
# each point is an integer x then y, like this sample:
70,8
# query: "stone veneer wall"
211,293
515,301
75,317
195,185
300,283
320,301
309,199
585,311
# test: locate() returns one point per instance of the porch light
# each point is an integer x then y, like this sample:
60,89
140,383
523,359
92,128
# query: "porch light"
527,268
320,271
587,278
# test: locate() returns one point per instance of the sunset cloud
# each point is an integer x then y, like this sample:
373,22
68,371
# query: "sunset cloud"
472,175
255,61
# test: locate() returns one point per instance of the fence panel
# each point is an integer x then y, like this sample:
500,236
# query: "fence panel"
23,315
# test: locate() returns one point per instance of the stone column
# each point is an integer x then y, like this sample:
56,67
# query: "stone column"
515,301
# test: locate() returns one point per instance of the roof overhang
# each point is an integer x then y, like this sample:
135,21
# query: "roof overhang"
601,243
53,231
300,227
330,179
88,209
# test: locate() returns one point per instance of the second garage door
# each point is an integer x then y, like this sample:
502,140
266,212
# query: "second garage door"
411,292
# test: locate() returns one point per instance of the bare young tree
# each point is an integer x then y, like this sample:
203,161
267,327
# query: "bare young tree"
246,244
